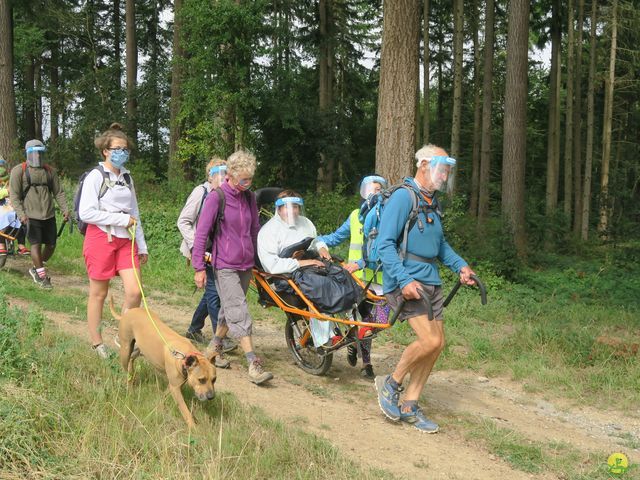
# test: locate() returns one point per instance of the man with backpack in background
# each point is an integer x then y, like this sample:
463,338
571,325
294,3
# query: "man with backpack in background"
410,239
33,185
187,220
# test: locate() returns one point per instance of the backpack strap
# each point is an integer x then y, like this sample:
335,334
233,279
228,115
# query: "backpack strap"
411,220
107,183
220,214
27,174
204,197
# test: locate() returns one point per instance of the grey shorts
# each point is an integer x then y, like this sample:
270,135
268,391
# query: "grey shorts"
415,308
232,286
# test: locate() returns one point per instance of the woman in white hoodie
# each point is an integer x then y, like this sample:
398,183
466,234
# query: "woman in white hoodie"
108,205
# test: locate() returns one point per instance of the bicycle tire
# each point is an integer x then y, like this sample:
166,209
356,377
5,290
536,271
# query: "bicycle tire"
307,357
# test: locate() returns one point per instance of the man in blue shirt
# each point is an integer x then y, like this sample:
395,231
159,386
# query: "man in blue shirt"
413,275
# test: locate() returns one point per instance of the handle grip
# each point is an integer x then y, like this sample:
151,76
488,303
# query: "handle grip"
402,303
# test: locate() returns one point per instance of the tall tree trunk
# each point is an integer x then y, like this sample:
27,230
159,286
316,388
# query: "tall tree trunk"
117,31
577,126
29,118
568,139
425,74
440,104
155,54
54,101
487,98
458,38
132,69
37,99
7,96
477,112
514,151
603,224
553,136
588,161
396,98
176,171
327,163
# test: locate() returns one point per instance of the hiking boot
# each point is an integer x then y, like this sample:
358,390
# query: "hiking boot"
416,417
102,351
195,336
367,372
46,283
352,355
257,373
228,345
221,360
388,398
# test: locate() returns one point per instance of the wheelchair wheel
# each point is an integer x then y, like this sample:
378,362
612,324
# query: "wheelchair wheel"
308,357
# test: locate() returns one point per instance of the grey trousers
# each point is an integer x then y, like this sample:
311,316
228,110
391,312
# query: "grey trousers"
232,286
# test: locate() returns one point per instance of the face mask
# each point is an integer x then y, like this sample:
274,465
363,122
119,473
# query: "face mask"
119,157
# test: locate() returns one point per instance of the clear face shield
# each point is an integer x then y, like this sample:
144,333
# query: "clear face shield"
35,156
440,173
217,175
371,185
289,209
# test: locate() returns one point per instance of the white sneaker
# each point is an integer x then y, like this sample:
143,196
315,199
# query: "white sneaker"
102,350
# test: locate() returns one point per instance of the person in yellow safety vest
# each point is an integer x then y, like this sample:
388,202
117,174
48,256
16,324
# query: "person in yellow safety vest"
352,229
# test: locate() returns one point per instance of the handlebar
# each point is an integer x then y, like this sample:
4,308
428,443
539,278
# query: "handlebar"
479,284
403,302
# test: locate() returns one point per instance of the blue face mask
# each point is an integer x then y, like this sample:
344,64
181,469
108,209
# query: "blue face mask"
119,157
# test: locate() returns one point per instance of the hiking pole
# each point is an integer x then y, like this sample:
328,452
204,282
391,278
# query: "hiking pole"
402,303
64,222
454,290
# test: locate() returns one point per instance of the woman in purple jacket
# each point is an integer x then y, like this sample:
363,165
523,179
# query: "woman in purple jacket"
232,256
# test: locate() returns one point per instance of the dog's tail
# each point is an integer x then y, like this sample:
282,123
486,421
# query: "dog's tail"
113,310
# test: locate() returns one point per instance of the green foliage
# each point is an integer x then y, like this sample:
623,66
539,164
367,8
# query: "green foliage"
329,210
17,336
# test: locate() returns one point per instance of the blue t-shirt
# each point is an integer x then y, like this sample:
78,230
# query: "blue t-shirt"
430,243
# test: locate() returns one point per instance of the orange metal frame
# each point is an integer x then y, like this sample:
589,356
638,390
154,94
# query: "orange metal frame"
313,312
7,236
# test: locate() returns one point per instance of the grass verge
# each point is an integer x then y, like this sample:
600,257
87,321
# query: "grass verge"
67,414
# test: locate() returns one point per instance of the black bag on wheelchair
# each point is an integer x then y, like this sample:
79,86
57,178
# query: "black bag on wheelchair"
331,289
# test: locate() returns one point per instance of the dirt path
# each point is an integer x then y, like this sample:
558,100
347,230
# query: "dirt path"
341,407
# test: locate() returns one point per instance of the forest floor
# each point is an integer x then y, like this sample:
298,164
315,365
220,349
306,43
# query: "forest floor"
342,406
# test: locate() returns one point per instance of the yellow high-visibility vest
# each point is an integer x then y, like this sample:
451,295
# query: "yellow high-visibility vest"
355,249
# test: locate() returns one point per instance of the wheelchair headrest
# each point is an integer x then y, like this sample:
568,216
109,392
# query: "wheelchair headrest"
267,196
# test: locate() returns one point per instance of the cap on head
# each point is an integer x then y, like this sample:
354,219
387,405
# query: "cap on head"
33,143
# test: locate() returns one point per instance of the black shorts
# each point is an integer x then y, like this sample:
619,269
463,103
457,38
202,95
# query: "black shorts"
42,231
415,308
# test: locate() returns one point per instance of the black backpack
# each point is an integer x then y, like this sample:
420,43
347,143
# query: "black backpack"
106,184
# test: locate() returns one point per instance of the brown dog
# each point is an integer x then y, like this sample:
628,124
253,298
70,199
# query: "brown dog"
175,356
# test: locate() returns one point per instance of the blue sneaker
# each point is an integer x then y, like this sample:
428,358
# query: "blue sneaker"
388,398
416,417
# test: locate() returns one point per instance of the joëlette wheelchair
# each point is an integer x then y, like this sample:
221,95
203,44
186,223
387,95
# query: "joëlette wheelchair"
9,229
299,310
